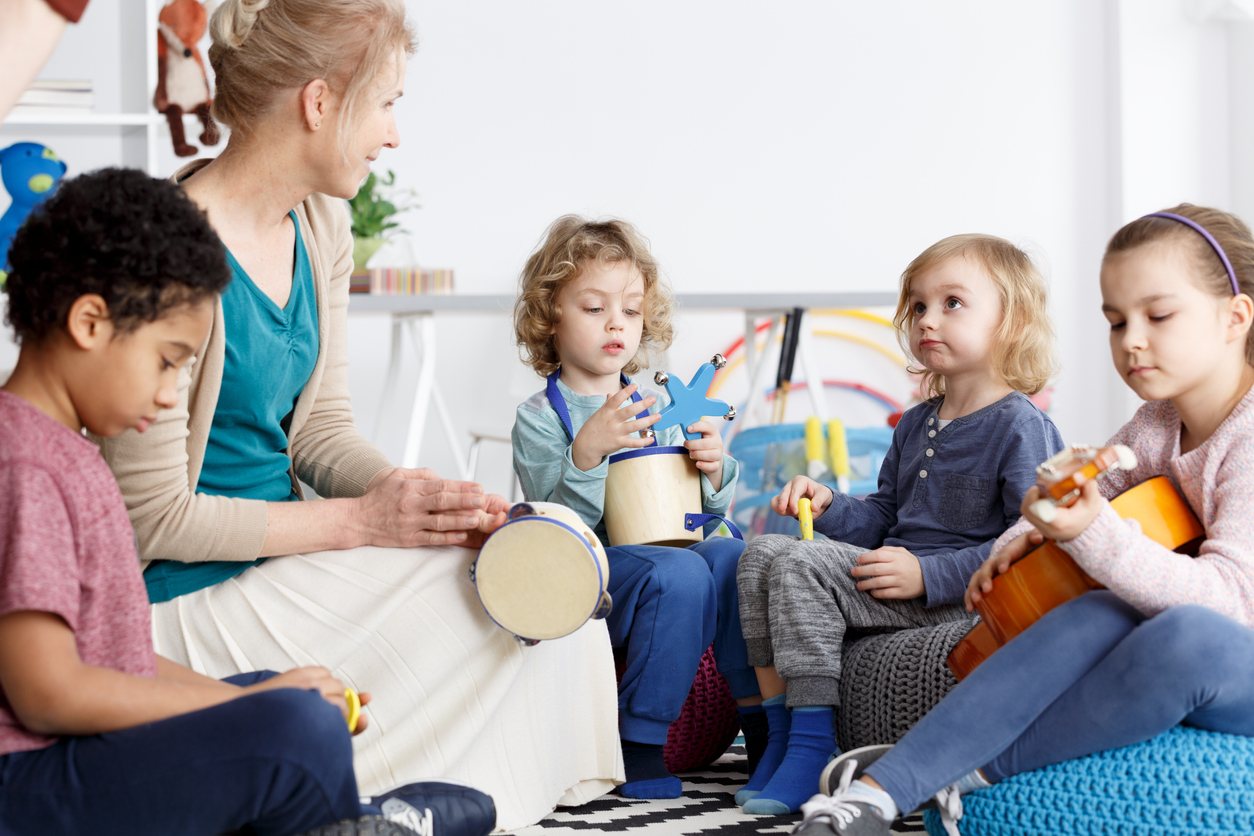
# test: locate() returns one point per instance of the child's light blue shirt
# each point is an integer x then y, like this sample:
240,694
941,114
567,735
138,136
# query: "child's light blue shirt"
543,462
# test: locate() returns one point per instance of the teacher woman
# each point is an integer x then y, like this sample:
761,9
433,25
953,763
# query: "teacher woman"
369,581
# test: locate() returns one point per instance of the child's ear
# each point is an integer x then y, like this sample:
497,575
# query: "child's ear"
1240,316
88,321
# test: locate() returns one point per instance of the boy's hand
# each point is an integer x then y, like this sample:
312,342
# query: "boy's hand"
314,679
998,563
890,572
707,452
1071,520
610,429
802,487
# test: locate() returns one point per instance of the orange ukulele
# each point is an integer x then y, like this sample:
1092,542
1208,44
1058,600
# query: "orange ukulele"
1047,576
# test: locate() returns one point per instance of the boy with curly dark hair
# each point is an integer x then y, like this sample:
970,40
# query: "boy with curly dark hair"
112,291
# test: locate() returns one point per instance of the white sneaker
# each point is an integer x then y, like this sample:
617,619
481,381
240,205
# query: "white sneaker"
398,812
947,800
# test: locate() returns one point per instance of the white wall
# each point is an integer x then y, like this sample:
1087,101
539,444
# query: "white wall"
802,146
806,146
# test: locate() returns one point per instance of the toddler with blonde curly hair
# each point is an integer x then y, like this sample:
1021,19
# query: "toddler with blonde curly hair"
591,306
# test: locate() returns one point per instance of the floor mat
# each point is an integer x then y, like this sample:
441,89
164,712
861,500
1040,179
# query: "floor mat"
707,807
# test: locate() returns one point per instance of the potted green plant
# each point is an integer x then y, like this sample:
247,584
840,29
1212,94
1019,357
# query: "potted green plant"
373,216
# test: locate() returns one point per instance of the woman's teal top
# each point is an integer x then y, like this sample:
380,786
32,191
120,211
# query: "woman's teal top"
270,354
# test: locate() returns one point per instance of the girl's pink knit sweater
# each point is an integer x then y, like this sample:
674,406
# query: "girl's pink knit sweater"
1216,479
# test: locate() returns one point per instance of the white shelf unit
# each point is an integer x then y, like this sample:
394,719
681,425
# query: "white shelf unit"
85,119
148,119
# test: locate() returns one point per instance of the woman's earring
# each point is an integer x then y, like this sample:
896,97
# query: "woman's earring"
317,125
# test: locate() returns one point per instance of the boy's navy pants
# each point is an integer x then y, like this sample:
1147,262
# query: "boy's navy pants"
669,605
280,761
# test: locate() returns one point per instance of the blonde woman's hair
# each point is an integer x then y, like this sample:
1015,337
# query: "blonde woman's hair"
262,48
570,243
1229,230
1023,345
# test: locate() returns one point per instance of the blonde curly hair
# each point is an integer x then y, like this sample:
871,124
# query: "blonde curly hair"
569,243
1023,350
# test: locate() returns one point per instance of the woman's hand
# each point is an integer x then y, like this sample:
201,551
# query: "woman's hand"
1070,520
314,679
998,563
707,452
890,572
415,507
610,429
802,487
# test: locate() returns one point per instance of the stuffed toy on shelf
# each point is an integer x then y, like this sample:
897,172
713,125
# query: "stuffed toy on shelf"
30,172
181,83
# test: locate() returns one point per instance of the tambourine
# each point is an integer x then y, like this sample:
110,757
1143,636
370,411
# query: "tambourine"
543,573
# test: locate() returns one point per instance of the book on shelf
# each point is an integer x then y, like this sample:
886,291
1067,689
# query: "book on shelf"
402,281
61,84
59,94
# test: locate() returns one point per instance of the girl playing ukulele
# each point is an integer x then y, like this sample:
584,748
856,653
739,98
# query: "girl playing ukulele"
1170,639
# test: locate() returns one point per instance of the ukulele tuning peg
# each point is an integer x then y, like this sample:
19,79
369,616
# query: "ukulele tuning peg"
1044,509
719,361
731,413
661,378
1127,459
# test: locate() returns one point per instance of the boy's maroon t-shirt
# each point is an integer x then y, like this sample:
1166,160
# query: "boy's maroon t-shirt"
67,548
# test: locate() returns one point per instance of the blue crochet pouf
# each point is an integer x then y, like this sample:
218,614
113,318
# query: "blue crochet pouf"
1185,781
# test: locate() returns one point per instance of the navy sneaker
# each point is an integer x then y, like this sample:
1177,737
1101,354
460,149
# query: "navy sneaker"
437,808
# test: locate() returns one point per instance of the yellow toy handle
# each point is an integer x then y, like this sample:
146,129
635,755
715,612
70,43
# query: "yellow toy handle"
354,708
815,466
806,518
838,449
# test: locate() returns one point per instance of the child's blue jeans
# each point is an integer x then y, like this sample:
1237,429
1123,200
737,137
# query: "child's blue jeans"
669,605
280,761
1091,675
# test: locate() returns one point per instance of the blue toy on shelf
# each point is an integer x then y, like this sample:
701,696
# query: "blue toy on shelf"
30,172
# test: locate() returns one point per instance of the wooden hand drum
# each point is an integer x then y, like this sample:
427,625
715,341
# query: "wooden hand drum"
647,493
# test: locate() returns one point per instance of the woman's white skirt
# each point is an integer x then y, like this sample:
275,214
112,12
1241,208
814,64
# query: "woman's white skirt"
455,696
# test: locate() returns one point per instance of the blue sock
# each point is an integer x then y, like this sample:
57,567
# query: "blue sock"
647,776
810,743
779,720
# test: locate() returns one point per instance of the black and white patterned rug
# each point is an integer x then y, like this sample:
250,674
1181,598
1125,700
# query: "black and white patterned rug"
707,807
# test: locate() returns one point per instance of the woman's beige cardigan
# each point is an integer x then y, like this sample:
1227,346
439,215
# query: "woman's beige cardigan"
158,470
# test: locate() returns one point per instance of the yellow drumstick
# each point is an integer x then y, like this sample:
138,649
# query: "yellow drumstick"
806,519
354,708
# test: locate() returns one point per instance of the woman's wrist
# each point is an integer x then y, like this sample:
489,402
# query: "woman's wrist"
317,525
350,524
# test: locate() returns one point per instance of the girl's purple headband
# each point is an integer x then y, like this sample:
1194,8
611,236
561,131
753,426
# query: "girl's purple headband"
1210,239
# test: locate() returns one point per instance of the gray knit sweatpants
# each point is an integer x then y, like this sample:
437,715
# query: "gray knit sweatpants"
797,602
